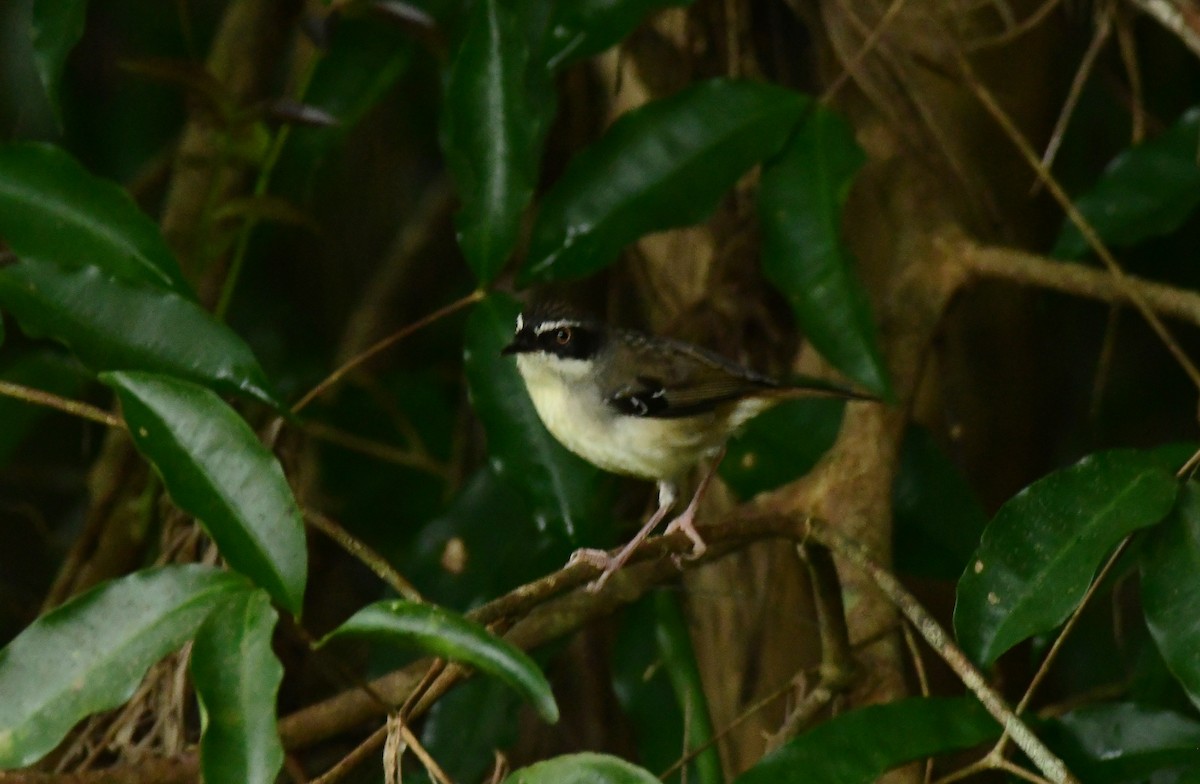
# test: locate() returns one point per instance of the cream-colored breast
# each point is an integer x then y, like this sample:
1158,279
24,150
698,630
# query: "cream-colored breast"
644,447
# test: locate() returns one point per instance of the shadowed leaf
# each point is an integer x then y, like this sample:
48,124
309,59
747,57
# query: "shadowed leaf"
216,469
1040,552
91,653
112,324
449,635
800,204
665,164
237,677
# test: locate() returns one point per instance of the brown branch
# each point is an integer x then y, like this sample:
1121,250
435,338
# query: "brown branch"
1070,278
1136,300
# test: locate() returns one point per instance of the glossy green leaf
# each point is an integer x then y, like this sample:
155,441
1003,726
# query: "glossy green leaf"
582,28
363,62
112,324
563,490
780,445
657,683
54,210
1040,552
1170,565
585,768
938,519
665,164
449,635
237,677
90,654
1147,191
859,746
800,204
497,109
1124,742
216,469
57,27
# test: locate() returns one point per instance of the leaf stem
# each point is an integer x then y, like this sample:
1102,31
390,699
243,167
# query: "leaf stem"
387,342
364,553
77,408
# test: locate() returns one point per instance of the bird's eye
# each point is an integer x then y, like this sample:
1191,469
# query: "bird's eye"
562,336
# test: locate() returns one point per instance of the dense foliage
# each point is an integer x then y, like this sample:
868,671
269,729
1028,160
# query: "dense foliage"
212,474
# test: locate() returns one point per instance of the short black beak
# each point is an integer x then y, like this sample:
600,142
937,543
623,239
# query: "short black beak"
522,342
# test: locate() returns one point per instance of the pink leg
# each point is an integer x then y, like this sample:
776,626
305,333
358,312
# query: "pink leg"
685,522
611,563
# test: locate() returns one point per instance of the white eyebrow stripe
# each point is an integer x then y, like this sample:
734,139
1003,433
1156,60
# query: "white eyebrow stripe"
520,322
546,326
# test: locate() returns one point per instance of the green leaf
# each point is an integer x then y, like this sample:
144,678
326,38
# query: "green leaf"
938,518
1039,553
582,28
585,768
364,61
800,204
657,683
111,324
497,112
1124,742
665,164
1147,191
237,678
57,27
450,636
563,490
859,746
90,654
1170,565
54,210
780,445
216,469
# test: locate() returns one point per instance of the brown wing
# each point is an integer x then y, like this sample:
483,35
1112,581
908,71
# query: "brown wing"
687,380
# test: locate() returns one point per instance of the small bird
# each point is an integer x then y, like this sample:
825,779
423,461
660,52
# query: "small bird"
641,406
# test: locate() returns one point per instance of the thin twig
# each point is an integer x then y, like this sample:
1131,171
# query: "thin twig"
409,458
1170,16
361,753
1076,217
385,343
423,755
364,553
1086,63
868,44
1015,32
1052,654
941,643
40,397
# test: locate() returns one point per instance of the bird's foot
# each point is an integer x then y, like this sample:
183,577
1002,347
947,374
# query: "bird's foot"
598,559
685,524
590,556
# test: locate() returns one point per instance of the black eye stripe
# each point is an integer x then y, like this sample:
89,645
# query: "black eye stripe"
570,342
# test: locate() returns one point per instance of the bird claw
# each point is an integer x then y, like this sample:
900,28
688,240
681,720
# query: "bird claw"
590,556
597,559
684,524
